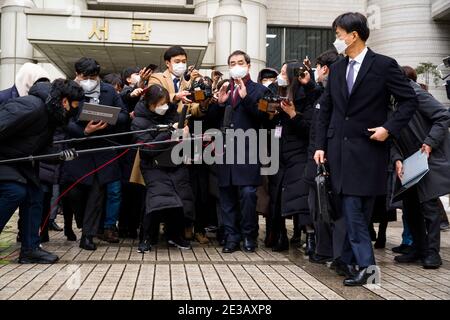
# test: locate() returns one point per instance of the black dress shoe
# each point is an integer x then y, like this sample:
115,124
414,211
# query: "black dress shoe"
71,236
230,247
432,261
87,243
54,226
359,279
310,244
411,257
403,249
317,258
249,245
344,270
282,244
38,255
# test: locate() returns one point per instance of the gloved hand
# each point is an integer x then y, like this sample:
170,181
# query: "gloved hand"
68,155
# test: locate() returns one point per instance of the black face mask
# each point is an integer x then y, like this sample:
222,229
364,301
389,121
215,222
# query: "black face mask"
59,114
72,113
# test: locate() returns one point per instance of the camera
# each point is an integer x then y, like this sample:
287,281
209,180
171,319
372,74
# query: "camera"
271,103
300,72
200,91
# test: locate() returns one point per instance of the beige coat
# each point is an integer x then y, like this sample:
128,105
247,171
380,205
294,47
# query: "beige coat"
165,80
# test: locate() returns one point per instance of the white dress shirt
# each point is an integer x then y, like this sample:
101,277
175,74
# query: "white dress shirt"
358,62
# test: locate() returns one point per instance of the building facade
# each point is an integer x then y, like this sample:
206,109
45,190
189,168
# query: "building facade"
120,33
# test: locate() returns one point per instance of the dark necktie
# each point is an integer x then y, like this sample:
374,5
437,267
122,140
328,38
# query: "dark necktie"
175,84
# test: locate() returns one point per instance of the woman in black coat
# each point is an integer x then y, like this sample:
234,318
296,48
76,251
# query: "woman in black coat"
427,131
169,194
288,191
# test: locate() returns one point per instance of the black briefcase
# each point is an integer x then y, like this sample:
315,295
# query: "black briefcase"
325,209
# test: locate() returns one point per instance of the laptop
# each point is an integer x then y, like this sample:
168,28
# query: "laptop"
414,169
98,112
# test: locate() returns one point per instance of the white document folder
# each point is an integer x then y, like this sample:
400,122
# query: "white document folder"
414,169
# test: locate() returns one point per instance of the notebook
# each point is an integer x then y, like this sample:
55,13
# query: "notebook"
98,112
414,169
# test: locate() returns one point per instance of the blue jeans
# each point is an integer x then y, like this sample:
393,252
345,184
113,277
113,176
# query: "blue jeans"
30,199
113,198
239,216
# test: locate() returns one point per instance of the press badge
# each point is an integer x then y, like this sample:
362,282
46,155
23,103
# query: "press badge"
278,131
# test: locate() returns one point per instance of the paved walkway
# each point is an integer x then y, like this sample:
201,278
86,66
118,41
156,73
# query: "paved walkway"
119,272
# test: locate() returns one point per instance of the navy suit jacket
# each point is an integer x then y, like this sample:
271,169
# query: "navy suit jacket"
245,116
358,165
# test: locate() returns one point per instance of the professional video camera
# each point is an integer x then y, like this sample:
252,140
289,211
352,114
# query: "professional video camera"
200,91
271,103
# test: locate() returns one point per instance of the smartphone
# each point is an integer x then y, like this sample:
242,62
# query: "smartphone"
152,67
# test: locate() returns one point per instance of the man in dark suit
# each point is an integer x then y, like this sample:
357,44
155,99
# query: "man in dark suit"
352,132
238,182
87,198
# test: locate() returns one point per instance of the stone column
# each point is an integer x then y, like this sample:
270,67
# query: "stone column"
406,31
16,50
230,32
256,13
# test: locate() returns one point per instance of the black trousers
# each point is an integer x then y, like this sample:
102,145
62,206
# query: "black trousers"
424,220
46,205
132,206
278,222
199,175
87,203
174,224
239,215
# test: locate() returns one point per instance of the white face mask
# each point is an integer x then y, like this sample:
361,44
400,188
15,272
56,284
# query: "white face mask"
282,82
161,110
88,85
340,46
179,69
267,83
135,78
238,72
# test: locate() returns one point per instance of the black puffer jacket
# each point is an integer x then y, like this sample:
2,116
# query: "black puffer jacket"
288,183
167,187
25,130
50,172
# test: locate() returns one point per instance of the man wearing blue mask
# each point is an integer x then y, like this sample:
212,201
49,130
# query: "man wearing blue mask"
352,131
